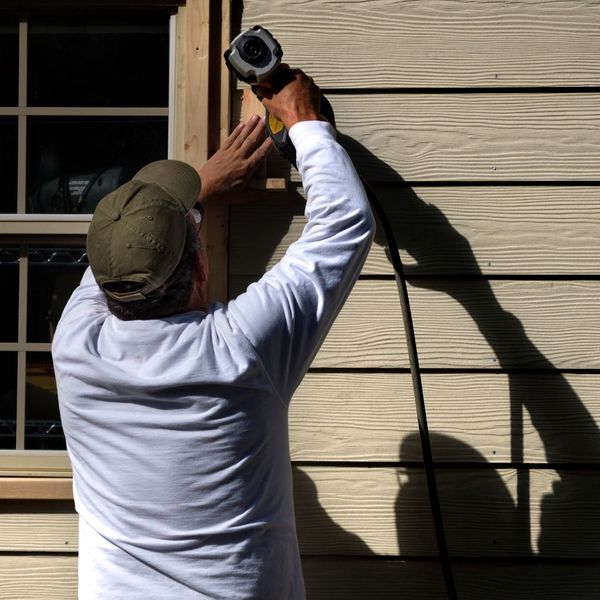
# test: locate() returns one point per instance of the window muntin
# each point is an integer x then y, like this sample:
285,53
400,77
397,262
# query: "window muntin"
102,138
88,67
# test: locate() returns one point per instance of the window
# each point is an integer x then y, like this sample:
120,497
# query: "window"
84,103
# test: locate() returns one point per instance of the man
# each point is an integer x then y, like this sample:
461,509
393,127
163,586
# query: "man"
175,413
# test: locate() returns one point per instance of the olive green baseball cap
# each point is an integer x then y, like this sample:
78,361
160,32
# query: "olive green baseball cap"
137,234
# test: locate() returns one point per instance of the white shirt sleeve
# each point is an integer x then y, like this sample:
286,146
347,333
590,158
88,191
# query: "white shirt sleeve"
287,314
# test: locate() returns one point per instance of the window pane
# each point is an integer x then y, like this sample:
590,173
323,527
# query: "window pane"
9,299
97,60
8,163
43,430
8,399
9,62
54,272
73,162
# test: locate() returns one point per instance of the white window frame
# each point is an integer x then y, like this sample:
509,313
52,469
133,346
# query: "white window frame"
22,229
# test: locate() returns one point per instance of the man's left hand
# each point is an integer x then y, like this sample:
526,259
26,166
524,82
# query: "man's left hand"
231,167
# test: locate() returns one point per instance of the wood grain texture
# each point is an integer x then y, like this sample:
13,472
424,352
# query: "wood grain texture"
519,580
472,418
55,578
357,578
41,488
466,323
469,137
361,511
487,512
38,526
446,230
38,577
436,43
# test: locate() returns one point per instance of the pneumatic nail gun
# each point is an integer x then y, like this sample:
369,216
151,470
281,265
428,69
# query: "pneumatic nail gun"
254,57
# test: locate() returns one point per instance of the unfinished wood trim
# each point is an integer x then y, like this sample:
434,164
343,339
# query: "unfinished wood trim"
225,95
179,86
39,488
34,463
197,43
251,105
197,135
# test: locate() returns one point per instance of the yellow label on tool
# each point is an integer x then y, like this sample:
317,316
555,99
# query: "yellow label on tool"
275,125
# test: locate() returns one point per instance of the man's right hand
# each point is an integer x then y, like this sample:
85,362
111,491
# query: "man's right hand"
297,100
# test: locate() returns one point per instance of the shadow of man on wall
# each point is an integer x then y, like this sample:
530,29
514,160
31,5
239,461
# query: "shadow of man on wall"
481,518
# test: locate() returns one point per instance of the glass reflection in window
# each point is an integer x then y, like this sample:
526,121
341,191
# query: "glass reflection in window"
9,299
73,162
43,430
54,272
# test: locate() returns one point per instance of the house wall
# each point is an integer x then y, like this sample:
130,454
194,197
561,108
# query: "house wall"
477,122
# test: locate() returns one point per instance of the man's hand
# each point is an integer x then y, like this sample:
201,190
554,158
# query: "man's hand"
291,96
231,167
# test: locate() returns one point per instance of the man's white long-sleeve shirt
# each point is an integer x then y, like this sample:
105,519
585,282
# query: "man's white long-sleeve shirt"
177,427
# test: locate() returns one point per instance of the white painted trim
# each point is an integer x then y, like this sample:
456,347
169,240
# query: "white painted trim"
172,70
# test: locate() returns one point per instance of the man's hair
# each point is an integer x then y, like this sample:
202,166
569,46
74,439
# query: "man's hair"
172,296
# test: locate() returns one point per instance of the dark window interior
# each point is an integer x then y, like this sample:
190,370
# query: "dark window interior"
73,162
9,62
8,163
43,430
54,272
96,60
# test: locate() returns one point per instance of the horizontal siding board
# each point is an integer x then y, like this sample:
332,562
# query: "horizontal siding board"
360,579
493,230
328,578
38,577
469,137
53,577
434,43
467,323
472,418
540,580
351,511
38,526
388,509
360,511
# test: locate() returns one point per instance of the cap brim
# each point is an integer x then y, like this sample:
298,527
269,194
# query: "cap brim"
178,179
